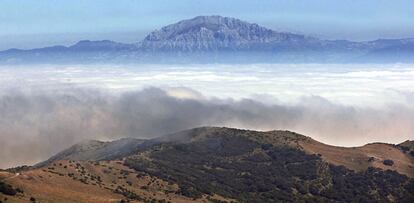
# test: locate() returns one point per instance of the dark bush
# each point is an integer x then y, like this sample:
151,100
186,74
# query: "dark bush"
190,192
128,194
7,189
404,148
388,162
266,146
19,190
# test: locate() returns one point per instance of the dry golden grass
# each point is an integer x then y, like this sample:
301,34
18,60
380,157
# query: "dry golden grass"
4,175
50,187
86,181
357,158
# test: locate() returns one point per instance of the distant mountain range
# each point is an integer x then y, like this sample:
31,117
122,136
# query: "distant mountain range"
209,39
212,164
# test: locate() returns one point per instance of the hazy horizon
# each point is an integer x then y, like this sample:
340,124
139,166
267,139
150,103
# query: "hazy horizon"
33,24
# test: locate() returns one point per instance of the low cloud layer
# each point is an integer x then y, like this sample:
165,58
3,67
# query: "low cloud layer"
36,124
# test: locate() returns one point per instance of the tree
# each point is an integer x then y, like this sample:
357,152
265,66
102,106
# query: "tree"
388,162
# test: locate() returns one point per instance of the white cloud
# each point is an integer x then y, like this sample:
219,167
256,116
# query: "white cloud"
365,84
45,108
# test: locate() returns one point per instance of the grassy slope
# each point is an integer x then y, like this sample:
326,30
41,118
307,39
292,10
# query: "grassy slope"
54,184
357,158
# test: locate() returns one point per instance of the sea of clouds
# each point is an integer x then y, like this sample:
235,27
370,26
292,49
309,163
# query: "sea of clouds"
46,108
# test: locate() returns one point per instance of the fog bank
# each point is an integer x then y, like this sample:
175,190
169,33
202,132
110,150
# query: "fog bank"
38,123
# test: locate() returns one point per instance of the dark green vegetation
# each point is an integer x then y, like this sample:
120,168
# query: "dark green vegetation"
133,196
407,147
18,169
249,169
7,189
388,162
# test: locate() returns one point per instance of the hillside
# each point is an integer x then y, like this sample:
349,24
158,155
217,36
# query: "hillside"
93,150
408,145
361,158
263,167
212,164
86,181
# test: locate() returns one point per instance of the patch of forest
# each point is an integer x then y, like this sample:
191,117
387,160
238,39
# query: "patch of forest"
242,169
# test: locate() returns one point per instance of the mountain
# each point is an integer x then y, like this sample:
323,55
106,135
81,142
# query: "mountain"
216,33
103,45
212,164
210,39
84,51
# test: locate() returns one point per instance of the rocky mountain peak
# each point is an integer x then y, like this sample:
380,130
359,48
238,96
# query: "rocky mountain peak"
206,33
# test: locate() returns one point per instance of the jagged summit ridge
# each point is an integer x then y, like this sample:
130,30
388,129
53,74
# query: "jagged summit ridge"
207,33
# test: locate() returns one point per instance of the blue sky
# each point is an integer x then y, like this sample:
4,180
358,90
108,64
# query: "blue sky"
33,23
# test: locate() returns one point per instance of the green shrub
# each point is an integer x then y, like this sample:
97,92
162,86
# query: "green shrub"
7,189
388,162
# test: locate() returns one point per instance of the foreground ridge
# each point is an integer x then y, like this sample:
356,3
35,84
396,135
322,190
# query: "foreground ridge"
213,164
